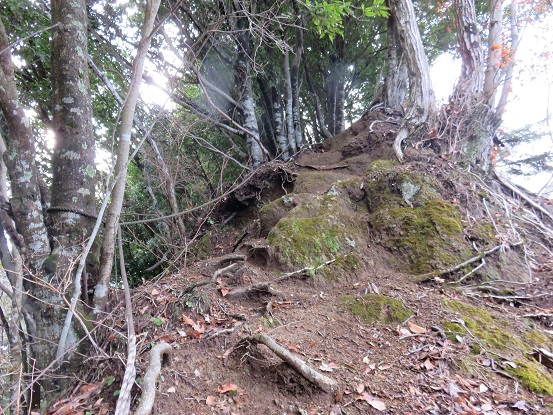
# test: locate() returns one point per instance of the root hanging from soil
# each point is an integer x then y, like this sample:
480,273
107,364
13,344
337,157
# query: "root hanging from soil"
324,382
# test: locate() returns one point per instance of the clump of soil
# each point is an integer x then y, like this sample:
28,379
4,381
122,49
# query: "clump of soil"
328,263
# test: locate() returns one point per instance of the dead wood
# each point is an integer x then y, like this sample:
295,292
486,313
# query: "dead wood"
157,355
324,382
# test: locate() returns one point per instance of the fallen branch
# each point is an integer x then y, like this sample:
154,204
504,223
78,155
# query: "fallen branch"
228,270
149,382
324,382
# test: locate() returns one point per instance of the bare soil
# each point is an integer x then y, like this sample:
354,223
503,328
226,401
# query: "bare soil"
410,367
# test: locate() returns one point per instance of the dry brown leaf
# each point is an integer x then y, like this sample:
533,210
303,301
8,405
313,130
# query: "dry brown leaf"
416,329
293,348
428,365
224,292
187,320
372,401
154,292
227,387
210,400
360,388
385,366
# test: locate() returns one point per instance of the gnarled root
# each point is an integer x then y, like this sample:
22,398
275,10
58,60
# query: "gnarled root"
149,383
322,381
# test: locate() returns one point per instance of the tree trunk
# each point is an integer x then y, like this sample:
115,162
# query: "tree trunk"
495,52
335,87
470,46
295,81
397,76
289,104
74,167
279,125
114,211
421,95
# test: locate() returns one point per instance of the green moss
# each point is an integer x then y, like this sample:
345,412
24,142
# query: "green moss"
490,330
535,338
381,166
373,307
344,265
271,213
429,237
269,322
202,249
318,229
533,376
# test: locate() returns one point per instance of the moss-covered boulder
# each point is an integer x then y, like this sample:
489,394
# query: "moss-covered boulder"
377,308
408,217
318,229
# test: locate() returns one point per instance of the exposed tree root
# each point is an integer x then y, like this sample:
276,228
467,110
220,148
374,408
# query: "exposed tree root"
157,355
324,382
430,275
254,288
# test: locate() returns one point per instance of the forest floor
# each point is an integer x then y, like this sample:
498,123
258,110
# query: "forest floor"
397,364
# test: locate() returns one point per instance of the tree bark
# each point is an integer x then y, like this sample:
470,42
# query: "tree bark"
421,95
112,217
495,52
470,47
289,104
397,76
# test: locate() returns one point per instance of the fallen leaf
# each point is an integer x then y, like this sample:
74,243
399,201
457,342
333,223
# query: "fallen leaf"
416,329
187,320
197,373
224,292
428,365
385,366
172,389
210,400
227,387
486,407
293,348
154,292
483,388
360,388
372,401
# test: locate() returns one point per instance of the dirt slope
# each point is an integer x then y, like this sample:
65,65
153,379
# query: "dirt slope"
370,305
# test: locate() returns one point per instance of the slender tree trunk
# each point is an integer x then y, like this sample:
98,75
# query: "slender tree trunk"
114,211
279,125
509,70
421,95
289,104
495,52
320,124
295,81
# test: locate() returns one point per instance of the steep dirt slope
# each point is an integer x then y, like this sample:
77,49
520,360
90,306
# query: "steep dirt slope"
342,258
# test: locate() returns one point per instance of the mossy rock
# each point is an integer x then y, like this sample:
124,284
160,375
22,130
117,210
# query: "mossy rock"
271,213
377,308
427,238
202,249
343,267
318,229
